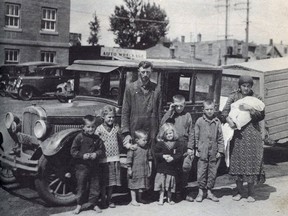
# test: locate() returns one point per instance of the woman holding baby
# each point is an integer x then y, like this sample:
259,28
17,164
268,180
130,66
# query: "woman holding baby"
246,162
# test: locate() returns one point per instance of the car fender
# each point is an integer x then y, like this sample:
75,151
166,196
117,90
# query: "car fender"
52,145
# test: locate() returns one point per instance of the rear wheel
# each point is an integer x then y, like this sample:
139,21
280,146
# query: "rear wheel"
6,175
2,90
25,93
55,183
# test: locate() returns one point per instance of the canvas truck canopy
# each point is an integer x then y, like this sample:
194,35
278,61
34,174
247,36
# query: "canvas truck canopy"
106,66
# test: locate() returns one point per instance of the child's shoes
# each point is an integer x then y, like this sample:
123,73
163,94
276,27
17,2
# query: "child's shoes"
112,205
212,197
199,197
189,198
97,209
237,197
135,203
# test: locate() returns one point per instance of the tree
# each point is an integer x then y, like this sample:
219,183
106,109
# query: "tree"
94,30
138,25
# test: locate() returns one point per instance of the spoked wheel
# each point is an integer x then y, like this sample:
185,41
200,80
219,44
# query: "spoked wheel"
55,183
6,175
26,93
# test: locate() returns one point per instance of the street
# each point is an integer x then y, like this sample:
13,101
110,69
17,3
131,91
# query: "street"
22,199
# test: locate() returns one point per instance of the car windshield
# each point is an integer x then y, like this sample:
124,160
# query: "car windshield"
104,85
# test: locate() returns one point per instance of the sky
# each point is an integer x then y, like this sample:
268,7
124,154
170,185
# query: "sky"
268,19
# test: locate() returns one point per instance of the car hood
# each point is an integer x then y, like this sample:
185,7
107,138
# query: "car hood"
79,107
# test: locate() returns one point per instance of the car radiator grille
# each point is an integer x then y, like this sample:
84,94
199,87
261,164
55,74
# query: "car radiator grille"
57,128
29,120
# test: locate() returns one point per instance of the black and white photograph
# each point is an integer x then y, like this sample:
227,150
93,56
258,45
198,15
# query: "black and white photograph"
143,107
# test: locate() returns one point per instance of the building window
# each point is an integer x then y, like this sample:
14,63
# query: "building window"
48,22
209,49
11,56
12,16
48,56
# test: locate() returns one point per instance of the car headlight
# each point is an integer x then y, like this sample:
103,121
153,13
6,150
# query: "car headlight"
40,129
9,118
12,122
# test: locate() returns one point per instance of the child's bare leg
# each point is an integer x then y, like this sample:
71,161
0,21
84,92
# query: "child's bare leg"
133,198
77,210
161,197
109,197
169,195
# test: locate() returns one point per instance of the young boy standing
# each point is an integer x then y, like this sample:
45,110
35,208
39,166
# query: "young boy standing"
182,121
86,150
209,147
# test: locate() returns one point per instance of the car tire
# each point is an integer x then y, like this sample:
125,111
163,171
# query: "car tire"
52,185
6,175
2,90
25,93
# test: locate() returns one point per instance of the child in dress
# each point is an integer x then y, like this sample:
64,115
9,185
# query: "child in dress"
209,147
108,131
86,150
139,164
182,121
168,153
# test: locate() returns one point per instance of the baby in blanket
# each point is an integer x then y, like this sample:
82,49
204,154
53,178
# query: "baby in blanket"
240,117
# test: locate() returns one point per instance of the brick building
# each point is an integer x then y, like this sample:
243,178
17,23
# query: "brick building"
34,30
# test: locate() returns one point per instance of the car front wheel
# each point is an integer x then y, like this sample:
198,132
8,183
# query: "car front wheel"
55,183
6,175
26,93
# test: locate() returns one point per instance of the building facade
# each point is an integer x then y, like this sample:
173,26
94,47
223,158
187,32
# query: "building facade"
34,30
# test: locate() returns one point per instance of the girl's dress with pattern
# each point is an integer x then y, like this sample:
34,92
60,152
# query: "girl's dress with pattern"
246,162
139,162
110,164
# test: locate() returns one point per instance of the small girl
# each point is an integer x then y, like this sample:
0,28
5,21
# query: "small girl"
109,132
139,166
168,153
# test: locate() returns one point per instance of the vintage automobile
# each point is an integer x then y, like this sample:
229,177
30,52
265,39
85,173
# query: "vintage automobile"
23,69
44,134
43,81
6,71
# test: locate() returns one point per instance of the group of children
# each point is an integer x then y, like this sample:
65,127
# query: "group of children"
97,162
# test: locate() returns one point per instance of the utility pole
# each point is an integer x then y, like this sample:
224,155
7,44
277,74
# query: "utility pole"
247,32
226,32
245,50
226,28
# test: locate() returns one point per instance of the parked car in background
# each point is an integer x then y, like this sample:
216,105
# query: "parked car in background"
23,69
6,71
43,81
45,133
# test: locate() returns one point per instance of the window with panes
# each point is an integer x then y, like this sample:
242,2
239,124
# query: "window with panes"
47,56
11,56
12,15
49,17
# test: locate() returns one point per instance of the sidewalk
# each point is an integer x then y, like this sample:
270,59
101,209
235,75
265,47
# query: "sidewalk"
272,199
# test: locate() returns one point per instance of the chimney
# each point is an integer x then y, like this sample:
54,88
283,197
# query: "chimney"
172,51
182,39
199,36
271,42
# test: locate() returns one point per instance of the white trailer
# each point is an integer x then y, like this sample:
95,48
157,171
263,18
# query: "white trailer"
271,83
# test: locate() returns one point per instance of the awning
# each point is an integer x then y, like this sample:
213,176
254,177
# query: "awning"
92,68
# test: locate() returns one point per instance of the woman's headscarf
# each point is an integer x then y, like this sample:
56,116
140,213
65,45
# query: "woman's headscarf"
245,79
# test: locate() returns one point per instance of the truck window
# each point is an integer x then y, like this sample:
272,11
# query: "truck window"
104,85
204,87
179,83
